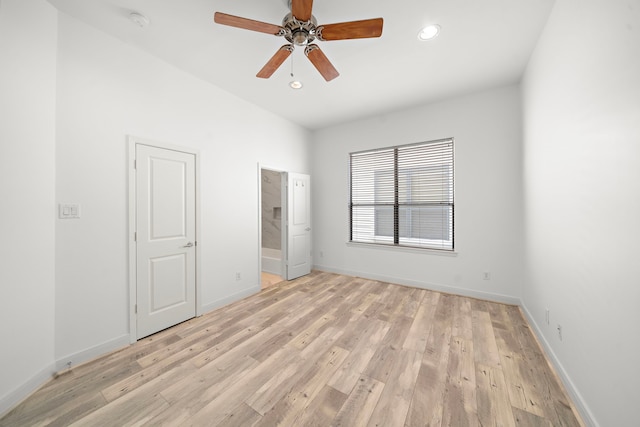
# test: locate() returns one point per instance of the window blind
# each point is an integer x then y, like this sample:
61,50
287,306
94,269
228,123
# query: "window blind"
403,196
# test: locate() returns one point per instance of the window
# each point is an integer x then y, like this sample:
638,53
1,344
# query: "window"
403,196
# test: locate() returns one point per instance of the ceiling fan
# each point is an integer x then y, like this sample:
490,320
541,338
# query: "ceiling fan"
300,28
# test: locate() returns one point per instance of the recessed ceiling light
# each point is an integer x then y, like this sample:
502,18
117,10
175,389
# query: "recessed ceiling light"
295,84
429,32
139,19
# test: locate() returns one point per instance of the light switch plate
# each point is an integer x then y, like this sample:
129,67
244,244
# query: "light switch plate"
69,210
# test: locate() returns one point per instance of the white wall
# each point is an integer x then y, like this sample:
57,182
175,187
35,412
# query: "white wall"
27,217
582,183
488,216
107,90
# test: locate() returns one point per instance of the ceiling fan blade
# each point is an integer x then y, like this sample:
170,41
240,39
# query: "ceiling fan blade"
301,9
350,30
320,61
275,62
247,24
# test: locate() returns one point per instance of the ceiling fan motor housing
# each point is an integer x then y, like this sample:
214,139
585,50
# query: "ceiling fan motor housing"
300,33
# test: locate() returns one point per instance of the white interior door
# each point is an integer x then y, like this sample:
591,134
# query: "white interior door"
298,254
165,238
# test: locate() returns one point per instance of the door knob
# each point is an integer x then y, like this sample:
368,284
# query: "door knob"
307,229
188,245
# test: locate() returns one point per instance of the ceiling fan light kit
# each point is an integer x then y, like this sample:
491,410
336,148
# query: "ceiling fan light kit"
295,84
300,28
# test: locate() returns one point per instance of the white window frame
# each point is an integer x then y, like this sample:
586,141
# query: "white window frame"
364,202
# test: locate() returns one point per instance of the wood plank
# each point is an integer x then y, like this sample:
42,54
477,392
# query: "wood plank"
375,286
247,340
199,384
312,358
462,324
347,376
460,407
494,407
427,403
428,399
311,332
196,343
484,341
66,393
242,415
190,394
89,378
320,412
360,404
499,317
394,402
410,303
382,360
555,402
275,387
365,303
139,408
521,394
422,323
64,415
393,303
526,419
270,346
523,389
374,311
280,349
165,364
295,406
217,408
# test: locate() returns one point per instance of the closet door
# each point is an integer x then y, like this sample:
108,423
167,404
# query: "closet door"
165,238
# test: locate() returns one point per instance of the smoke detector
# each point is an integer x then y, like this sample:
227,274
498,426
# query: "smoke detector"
139,19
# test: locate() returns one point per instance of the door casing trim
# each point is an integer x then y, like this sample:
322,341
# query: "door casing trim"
283,231
132,141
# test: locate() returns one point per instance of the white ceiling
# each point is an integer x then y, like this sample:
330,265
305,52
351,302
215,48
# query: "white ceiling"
483,43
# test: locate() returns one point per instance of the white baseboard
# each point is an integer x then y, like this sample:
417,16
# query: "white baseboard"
13,398
506,299
75,359
576,397
231,298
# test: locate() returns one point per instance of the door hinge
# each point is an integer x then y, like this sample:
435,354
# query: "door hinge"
135,236
136,308
135,164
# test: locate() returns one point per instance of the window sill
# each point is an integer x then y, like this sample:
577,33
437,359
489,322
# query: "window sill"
409,249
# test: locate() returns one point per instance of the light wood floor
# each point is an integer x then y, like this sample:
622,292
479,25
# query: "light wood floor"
321,350
268,279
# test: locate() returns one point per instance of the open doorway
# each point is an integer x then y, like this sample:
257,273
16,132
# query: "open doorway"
271,184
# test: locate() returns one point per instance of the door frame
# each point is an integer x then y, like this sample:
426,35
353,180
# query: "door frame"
132,141
283,224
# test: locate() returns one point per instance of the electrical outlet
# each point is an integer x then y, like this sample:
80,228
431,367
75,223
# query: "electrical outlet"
238,277
69,210
486,275
560,332
546,316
